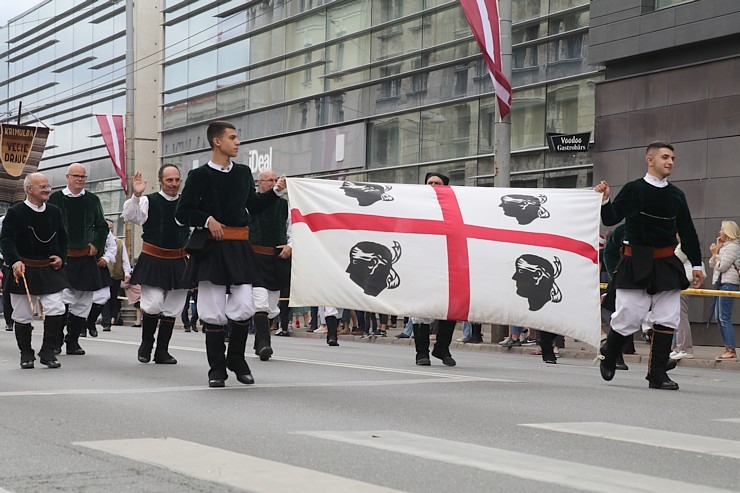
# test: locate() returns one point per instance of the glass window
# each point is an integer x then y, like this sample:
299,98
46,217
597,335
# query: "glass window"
394,140
659,4
571,107
307,81
528,119
558,5
231,100
397,39
523,10
201,67
266,92
175,75
348,17
443,26
486,121
232,56
306,31
449,131
267,45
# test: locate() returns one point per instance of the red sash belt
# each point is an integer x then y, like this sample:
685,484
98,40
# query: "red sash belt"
36,263
234,233
158,252
78,252
662,252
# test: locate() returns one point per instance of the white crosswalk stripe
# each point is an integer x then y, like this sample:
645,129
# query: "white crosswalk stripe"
646,436
551,471
230,468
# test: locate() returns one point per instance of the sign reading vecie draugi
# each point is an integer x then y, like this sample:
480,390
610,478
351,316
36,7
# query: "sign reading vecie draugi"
569,142
21,147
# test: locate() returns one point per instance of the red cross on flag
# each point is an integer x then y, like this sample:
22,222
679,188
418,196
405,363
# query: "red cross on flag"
483,18
525,257
111,127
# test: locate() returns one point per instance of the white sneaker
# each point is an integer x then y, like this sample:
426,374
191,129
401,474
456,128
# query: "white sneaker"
682,355
505,341
673,353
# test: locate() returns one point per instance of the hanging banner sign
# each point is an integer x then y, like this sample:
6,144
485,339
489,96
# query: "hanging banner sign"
21,148
16,142
569,142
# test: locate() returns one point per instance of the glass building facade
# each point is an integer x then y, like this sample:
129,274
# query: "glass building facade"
377,90
64,60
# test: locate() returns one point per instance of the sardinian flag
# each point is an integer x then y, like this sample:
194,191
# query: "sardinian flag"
525,257
483,18
111,126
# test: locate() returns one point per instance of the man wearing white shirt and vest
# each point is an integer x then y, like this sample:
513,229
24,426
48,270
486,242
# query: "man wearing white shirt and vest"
86,232
161,266
102,295
120,271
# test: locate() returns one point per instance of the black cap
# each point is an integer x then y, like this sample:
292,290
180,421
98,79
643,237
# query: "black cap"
445,179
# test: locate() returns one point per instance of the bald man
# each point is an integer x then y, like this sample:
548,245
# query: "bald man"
87,231
34,244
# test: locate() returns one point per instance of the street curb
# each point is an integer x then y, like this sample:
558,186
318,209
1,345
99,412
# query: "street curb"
583,352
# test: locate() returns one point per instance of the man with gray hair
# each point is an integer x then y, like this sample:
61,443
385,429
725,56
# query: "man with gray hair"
34,244
87,232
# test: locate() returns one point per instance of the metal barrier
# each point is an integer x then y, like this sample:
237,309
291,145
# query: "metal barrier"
700,292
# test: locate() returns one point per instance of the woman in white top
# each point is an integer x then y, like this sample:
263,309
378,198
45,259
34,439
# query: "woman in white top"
726,262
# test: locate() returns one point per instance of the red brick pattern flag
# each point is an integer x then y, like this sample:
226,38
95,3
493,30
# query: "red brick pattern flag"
483,18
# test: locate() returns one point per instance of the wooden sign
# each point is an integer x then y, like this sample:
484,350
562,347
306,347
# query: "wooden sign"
21,148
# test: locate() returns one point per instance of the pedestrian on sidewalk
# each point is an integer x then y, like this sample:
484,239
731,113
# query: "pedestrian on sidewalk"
725,261
649,277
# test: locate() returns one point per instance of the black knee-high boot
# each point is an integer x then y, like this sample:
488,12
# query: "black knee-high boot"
609,352
92,318
421,341
445,329
148,328
216,353
75,325
262,335
546,345
161,354
331,330
235,355
60,333
52,327
660,350
23,338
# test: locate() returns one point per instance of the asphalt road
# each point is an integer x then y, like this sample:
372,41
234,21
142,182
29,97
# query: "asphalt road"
358,418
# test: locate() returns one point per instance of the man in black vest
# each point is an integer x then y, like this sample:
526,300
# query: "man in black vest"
87,232
218,199
34,243
120,271
268,234
649,277
161,267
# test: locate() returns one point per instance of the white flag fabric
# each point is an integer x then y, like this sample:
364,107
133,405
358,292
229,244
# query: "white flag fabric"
525,257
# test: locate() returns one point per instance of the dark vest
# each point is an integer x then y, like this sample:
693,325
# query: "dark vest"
268,228
160,228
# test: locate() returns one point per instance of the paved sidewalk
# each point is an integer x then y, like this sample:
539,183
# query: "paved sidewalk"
703,355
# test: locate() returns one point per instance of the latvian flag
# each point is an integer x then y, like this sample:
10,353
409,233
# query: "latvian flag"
525,257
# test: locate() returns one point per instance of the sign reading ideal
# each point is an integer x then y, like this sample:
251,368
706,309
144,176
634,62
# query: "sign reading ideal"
569,143
16,142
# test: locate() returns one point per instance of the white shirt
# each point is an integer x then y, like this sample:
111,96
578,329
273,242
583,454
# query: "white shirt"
66,191
136,209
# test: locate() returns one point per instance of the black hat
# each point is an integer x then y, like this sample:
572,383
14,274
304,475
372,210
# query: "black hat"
445,179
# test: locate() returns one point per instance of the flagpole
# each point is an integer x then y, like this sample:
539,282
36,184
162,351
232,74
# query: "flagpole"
130,105
502,156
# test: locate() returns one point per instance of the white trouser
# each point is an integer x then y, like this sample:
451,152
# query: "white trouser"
330,311
415,320
633,306
266,301
101,296
79,302
23,314
157,301
215,307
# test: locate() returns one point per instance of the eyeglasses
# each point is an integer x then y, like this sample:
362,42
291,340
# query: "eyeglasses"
42,187
270,179
78,177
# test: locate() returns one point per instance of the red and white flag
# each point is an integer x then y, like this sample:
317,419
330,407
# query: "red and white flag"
483,18
111,126
525,257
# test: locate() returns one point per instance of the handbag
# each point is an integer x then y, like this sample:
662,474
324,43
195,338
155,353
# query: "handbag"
197,241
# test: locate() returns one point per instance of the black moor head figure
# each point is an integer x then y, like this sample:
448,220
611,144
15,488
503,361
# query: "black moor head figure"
371,266
366,193
535,280
525,208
